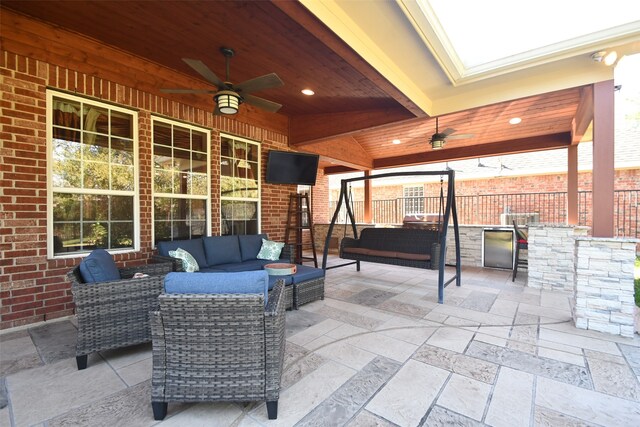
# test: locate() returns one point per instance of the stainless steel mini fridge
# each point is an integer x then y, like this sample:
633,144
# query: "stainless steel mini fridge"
497,248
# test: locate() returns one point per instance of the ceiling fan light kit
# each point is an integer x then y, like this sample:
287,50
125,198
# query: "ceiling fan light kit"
437,143
228,101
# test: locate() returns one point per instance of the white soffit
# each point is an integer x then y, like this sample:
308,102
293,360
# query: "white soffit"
475,40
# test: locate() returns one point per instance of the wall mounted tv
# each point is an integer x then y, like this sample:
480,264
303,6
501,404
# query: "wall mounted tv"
291,168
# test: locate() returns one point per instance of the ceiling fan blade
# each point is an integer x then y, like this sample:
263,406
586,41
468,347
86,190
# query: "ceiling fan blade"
259,83
188,91
205,72
270,106
461,136
448,131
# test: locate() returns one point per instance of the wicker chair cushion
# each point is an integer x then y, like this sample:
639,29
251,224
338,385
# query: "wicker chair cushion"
270,250
193,246
99,266
246,282
222,250
250,245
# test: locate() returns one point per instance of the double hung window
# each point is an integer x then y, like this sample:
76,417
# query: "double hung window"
181,182
239,186
92,169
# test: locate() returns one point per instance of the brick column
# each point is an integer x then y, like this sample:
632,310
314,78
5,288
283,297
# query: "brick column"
551,255
604,285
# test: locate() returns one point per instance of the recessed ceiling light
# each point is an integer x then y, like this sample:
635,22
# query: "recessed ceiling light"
515,120
396,141
308,92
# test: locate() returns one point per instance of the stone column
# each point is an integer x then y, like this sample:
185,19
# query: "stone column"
551,255
604,285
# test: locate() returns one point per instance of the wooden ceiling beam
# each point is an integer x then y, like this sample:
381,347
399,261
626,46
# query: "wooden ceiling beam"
345,151
314,128
520,145
318,29
334,170
584,115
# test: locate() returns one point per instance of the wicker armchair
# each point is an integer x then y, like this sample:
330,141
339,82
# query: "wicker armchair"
223,347
115,314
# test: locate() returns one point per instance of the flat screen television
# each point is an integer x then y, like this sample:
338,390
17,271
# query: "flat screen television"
291,168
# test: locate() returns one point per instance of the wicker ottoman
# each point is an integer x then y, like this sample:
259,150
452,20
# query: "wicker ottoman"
308,285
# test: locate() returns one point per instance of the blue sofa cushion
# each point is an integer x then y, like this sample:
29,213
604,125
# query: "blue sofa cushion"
288,280
250,245
222,250
256,264
99,266
193,246
247,282
305,273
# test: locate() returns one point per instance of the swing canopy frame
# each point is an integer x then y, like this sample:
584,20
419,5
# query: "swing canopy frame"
441,248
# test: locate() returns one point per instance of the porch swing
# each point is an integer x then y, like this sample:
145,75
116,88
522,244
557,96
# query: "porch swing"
410,247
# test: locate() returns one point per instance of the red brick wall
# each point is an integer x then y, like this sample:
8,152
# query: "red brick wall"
32,287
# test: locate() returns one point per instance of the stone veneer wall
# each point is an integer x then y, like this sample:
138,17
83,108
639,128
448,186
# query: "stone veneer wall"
604,285
470,241
551,255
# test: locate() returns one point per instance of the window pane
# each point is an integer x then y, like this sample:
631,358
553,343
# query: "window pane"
198,210
66,113
96,175
161,133
67,148
121,208
121,124
95,208
162,181
162,209
122,151
123,178
96,119
96,234
198,184
95,147
66,237
67,173
122,234
198,228
181,138
66,207
199,142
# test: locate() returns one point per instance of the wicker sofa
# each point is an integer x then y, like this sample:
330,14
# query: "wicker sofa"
396,246
115,314
218,347
238,253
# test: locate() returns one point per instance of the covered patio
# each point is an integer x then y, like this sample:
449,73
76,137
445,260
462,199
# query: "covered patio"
378,350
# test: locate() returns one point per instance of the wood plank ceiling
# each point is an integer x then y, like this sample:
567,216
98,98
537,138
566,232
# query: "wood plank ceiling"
355,113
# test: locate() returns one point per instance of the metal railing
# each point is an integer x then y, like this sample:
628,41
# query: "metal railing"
502,208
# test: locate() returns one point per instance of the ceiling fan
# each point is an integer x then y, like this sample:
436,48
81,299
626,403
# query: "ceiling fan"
228,96
438,139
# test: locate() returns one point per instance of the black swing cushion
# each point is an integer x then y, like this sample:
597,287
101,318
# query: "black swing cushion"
399,246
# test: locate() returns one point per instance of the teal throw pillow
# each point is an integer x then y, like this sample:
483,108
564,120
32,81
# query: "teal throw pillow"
270,250
189,263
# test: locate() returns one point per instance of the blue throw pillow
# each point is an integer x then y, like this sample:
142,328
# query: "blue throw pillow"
246,282
250,245
99,266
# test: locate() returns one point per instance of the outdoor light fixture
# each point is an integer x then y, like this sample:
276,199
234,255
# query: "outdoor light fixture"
437,143
515,120
396,142
307,92
607,58
228,101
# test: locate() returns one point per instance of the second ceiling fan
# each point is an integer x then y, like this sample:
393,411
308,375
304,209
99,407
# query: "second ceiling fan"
438,139
228,96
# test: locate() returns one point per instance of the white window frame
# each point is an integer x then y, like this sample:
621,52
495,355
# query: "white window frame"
412,189
50,94
259,180
155,194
